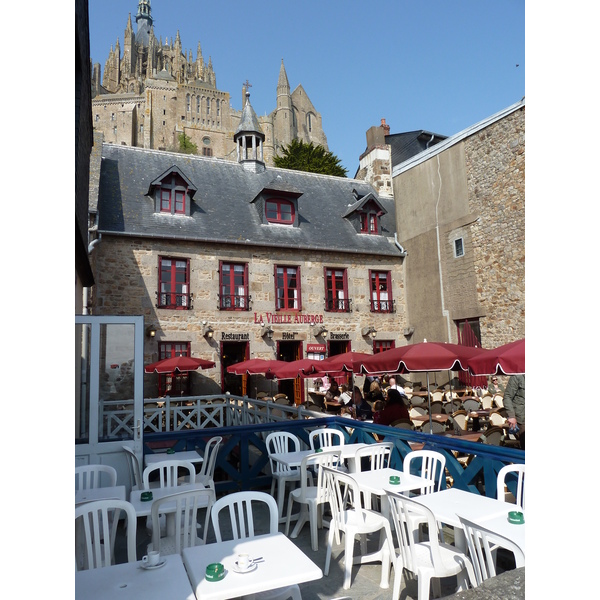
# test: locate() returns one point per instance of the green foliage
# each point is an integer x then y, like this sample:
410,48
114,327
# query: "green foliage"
300,156
186,145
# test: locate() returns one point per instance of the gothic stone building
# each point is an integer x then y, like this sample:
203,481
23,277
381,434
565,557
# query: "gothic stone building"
234,260
153,92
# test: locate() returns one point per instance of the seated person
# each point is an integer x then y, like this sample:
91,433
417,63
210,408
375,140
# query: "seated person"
394,409
332,397
345,397
363,408
375,392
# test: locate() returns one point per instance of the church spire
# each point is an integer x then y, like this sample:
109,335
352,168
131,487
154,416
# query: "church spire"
249,139
144,21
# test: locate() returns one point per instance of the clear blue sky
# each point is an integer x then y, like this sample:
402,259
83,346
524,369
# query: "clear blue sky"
438,65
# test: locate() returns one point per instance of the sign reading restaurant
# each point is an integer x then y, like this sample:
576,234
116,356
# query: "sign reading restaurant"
293,319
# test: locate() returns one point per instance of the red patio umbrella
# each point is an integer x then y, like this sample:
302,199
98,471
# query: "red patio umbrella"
178,363
256,366
508,359
303,367
422,357
347,361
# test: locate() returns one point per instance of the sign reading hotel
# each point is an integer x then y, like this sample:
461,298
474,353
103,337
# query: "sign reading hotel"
286,319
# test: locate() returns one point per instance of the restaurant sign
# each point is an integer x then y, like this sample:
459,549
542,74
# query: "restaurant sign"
286,319
315,348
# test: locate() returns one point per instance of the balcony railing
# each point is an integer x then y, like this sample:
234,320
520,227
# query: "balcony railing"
242,463
234,301
382,306
338,304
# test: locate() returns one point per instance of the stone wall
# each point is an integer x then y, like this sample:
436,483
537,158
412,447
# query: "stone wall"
127,282
495,160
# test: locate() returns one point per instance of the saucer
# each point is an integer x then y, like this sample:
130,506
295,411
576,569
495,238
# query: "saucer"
251,566
152,567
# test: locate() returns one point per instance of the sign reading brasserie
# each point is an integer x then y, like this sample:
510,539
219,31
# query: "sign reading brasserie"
286,319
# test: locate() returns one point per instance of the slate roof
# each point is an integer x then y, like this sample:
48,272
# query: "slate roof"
408,144
223,210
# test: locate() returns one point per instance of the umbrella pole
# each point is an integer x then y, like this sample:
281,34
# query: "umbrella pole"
429,404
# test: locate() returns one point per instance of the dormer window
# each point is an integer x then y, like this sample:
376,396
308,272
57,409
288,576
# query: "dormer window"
280,211
368,222
172,193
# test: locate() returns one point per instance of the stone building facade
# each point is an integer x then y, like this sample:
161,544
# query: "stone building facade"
460,209
230,261
153,92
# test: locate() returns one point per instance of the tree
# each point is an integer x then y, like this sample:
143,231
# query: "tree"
300,156
186,145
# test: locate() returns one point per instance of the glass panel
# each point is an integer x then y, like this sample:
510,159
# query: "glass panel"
83,334
116,386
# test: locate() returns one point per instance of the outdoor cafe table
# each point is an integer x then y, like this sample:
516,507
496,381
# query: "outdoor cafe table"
116,492
446,505
129,581
294,459
144,508
189,455
282,564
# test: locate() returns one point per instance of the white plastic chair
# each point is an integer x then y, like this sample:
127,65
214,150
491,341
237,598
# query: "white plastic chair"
135,471
207,470
185,519
507,470
94,476
427,560
168,473
481,544
311,497
240,508
370,458
325,438
351,518
433,467
277,442
96,530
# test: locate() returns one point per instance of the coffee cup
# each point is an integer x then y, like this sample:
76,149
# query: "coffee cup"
151,559
243,561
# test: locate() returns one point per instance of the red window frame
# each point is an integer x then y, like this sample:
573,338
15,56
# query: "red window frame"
174,383
336,281
173,195
380,291
233,278
383,345
369,223
287,288
173,283
281,211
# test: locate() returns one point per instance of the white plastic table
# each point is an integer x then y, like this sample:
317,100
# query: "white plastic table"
128,581
144,509
190,455
294,459
448,504
500,524
284,564
116,492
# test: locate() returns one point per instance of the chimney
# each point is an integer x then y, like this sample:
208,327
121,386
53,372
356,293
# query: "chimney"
385,127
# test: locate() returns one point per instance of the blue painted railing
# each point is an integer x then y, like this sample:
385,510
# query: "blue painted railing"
243,463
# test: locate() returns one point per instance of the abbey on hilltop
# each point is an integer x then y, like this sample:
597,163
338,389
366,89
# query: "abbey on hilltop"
152,92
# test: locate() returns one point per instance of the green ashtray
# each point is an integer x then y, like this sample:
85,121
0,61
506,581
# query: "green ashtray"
319,450
146,496
516,517
170,451
395,479
215,572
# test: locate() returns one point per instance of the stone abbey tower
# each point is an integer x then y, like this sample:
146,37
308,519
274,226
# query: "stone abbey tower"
152,91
